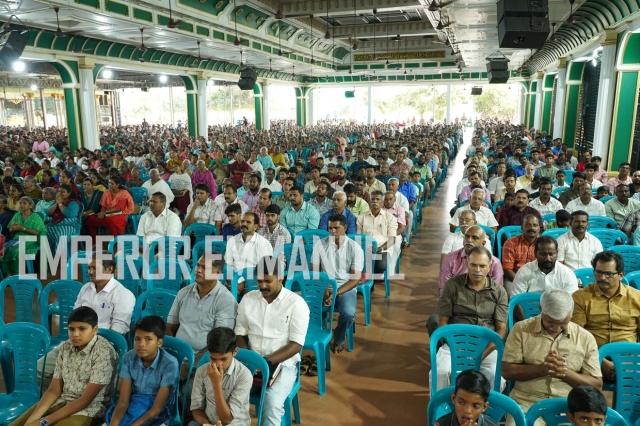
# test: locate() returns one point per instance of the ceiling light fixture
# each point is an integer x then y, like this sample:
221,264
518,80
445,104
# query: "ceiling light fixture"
107,74
19,66
163,79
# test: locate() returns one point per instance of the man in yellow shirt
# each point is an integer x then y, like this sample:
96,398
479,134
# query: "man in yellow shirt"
278,158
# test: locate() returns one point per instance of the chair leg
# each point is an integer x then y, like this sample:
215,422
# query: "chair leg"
6,362
387,285
296,410
366,299
327,357
322,364
286,417
350,332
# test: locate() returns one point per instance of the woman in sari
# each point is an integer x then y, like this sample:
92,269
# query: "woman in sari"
47,180
218,165
90,199
97,180
24,222
116,204
65,216
16,191
181,187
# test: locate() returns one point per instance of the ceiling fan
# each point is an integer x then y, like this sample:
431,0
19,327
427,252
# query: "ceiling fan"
435,7
59,32
197,60
173,23
280,15
142,46
442,26
571,19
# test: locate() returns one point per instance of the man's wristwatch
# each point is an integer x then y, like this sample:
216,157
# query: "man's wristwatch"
44,422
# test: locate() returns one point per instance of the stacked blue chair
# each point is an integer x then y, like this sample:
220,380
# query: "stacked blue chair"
530,304
466,344
28,341
585,275
130,271
609,237
369,247
207,246
153,302
318,333
553,411
598,222
626,360
499,405
508,232
74,261
555,232
167,274
631,256
633,279
183,353
126,244
250,281
201,231
26,291
66,292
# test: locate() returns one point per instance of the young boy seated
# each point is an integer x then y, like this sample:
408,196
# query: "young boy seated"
603,191
221,387
147,379
587,406
560,177
469,401
563,220
82,380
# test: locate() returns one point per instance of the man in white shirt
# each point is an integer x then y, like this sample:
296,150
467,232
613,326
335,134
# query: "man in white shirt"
230,197
586,203
275,321
159,221
484,216
155,184
271,183
455,241
245,249
339,184
545,272
201,208
545,203
577,247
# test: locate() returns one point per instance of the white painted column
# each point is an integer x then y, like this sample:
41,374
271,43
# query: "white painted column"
266,121
201,103
447,119
231,106
606,91
87,107
310,112
561,99
537,115
369,105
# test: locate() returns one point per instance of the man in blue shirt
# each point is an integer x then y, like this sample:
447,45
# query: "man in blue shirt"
339,207
299,215
358,164
523,162
408,189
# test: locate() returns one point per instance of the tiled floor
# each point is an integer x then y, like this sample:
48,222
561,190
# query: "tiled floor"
385,381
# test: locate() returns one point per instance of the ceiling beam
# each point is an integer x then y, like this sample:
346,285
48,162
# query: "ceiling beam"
381,30
340,7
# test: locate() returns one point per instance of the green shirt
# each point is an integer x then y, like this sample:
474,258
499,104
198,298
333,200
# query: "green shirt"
425,171
617,211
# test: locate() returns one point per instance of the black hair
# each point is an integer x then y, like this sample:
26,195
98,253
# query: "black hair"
161,197
545,239
473,382
272,208
233,208
84,314
590,166
232,187
297,188
256,176
522,191
579,175
562,216
579,213
338,218
350,189
603,188
586,399
151,324
203,187
221,340
608,256
268,265
256,218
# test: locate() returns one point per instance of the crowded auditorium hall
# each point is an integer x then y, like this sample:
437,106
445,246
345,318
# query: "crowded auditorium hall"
355,213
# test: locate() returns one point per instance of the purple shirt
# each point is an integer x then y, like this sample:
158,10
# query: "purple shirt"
249,199
455,263
512,216
205,177
465,194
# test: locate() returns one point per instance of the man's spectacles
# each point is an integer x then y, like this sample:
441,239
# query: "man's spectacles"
605,274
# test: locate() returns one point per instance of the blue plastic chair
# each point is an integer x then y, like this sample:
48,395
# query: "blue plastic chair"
201,231
26,291
633,279
318,333
559,191
167,246
553,411
631,256
608,237
253,361
74,261
183,353
307,238
121,346
569,176
250,281
126,244
507,231
66,292
598,222
607,198
168,274
275,194
290,257
153,302
549,217
626,360
138,193
27,341
369,247
499,405
530,304
496,206
467,342
319,233
210,245
132,222
555,232
585,275
130,272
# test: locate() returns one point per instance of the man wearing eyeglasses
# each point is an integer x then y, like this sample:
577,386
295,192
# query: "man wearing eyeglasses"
607,308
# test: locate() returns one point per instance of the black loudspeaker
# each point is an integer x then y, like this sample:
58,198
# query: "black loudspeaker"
247,79
498,70
498,77
476,91
523,8
523,33
12,43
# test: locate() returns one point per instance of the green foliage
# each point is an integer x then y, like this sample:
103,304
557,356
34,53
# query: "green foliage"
496,101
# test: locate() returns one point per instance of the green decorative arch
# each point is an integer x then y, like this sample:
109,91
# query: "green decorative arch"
631,50
68,71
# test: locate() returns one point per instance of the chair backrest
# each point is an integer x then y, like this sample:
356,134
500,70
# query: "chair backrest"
369,247
467,342
286,251
440,404
250,280
275,194
626,360
508,232
569,176
66,292
309,234
211,245
631,256
28,342
138,193
464,202
183,353
154,302
201,231
530,304
496,206
633,279
126,244
549,217
607,198
555,232
312,289
130,271
254,361
560,190
167,246
74,261
553,411
26,291
608,237
585,275
167,274
118,342
597,222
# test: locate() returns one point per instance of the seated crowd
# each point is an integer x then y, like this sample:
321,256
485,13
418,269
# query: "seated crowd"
257,190
507,240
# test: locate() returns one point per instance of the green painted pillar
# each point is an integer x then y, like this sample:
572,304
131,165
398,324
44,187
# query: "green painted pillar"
70,76
624,114
301,105
572,104
191,85
259,106
533,97
547,96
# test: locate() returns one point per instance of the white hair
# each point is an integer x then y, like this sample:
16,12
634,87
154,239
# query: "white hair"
556,303
341,194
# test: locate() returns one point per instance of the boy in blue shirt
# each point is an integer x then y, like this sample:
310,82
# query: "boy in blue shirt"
469,401
147,379
586,406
